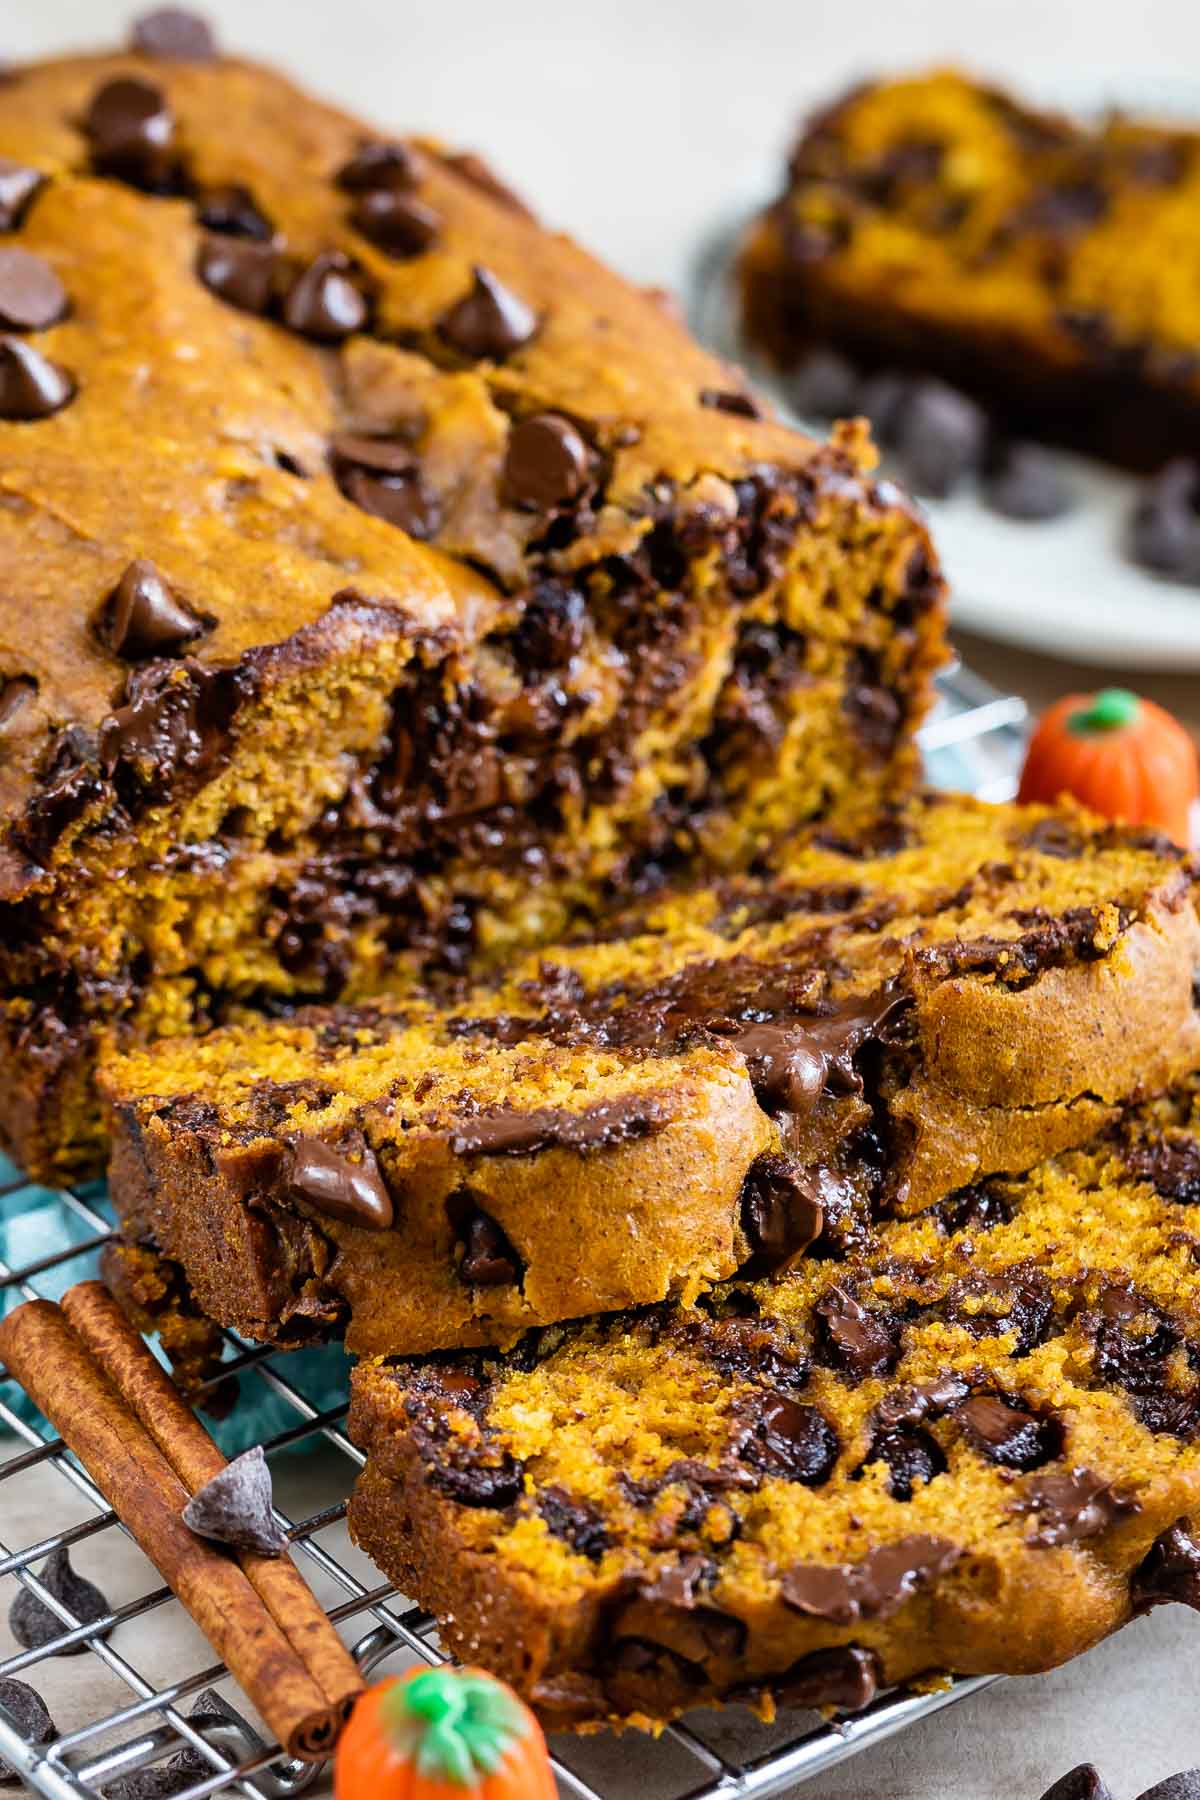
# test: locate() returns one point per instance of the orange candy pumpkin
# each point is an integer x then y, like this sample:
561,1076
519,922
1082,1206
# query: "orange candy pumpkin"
1123,757
442,1734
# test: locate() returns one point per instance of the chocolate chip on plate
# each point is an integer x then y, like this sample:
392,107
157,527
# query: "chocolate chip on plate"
824,385
377,166
397,223
175,35
1184,1786
31,386
28,1713
1024,481
489,321
342,1182
32,1622
31,295
132,132
323,302
881,399
234,1507
940,436
1084,1782
546,464
238,271
144,617
18,185
1164,532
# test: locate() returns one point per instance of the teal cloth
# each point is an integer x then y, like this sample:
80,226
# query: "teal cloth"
35,1223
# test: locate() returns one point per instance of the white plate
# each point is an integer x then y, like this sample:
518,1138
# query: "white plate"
1062,586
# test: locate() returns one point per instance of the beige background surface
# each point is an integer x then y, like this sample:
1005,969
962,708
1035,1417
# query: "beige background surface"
637,122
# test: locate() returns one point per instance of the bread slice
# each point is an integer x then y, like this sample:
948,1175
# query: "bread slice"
727,1073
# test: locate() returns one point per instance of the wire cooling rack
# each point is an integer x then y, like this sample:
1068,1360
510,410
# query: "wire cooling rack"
120,1716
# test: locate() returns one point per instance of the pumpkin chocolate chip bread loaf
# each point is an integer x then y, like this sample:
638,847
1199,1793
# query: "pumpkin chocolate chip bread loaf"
732,1072
971,1446
384,579
1047,266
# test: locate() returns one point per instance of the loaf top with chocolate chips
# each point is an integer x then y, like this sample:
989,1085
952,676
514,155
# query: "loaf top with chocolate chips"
969,1446
251,350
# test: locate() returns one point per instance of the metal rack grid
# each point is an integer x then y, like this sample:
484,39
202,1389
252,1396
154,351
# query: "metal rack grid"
971,741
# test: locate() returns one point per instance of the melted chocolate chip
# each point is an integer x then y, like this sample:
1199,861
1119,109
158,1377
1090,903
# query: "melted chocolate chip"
234,1507
990,1305
731,400
975,1209
546,463
1171,1165
1008,1435
239,271
18,185
785,1438
463,1473
382,475
489,321
597,1127
31,295
380,167
28,1712
343,1183
16,692
144,617
174,35
1170,1570
488,1256
132,132
1132,1341
791,1063
31,386
32,1622
576,1522
551,630
323,302
911,1405
781,1210
1080,1783
872,1589
857,1341
846,1679
397,223
1071,1505
667,1611
231,211
911,1457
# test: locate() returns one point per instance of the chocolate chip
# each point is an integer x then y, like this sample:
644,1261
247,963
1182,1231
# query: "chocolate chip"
34,1625
234,1508
489,321
978,1208
1072,1505
667,1611
1184,1786
546,463
731,400
397,223
238,271
31,386
376,167
824,386
909,1405
488,1258
231,210
873,1588
990,1305
15,694
781,1210
1170,1570
846,1679
132,132
574,1521
857,1341
786,1438
1081,1783
461,1473
883,399
343,1182
1171,1165
551,630
1164,532
144,617
28,1713
940,435
18,185
911,1456
382,475
1006,1434
323,302
481,175
1024,481
175,35
163,1782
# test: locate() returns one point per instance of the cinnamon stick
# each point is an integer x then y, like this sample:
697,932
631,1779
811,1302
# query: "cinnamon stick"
43,1352
146,1387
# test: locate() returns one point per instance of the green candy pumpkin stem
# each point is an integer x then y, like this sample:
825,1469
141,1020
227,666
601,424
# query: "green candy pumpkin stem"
1108,710
461,1725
